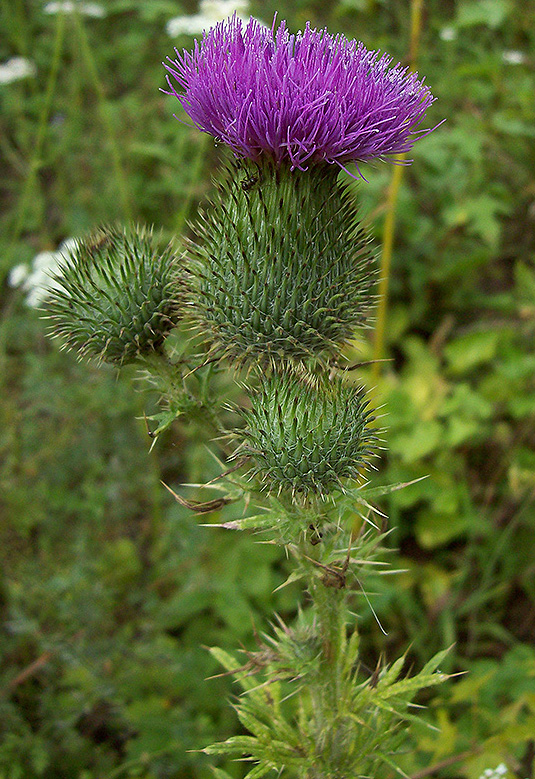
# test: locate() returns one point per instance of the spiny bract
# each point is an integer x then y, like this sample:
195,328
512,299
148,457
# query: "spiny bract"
282,271
305,437
118,295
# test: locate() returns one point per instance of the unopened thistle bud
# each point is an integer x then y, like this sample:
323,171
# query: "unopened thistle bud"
117,296
306,437
282,272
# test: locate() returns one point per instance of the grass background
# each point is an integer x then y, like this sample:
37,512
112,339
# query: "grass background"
108,589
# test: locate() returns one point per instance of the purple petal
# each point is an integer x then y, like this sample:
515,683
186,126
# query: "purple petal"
300,99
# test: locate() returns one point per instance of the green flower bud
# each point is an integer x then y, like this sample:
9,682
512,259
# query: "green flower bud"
283,270
306,437
117,297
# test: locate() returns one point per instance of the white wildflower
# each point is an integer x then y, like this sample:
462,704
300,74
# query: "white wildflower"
37,278
70,6
448,33
15,69
187,25
495,773
210,13
220,9
68,247
513,57
17,275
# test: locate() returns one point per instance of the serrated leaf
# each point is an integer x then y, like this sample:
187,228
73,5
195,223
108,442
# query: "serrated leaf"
236,745
261,731
392,673
351,652
295,576
414,684
258,522
164,420
379,492
225,659
435,661
258,771
405,716
247,682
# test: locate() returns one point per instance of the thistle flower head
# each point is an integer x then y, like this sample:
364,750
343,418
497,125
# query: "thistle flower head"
305,98
305,438
117,296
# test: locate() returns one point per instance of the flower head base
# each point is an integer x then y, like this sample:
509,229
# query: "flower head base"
299,99
117,296
283,272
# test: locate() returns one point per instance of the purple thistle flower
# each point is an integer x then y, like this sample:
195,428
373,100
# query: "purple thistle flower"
304,98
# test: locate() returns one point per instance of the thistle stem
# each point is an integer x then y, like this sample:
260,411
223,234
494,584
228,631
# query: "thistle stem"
327,688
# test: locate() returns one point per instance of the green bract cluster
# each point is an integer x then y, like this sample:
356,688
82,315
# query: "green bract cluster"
118,296
282,271
306,437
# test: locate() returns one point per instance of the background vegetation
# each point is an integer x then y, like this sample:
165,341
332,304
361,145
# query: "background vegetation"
108,589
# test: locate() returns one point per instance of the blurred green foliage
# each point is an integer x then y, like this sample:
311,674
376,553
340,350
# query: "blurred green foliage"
108,589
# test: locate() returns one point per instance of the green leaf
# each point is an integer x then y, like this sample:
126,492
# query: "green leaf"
259,771
258,522
480,215
418,442
414,684
471,350
259,729
236,745
433,664
459,430
491,13
463,401
164,420
294,576
434,529
403,715
370,493
390,675
513,126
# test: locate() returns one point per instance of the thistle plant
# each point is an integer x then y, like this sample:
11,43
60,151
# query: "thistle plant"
278,278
